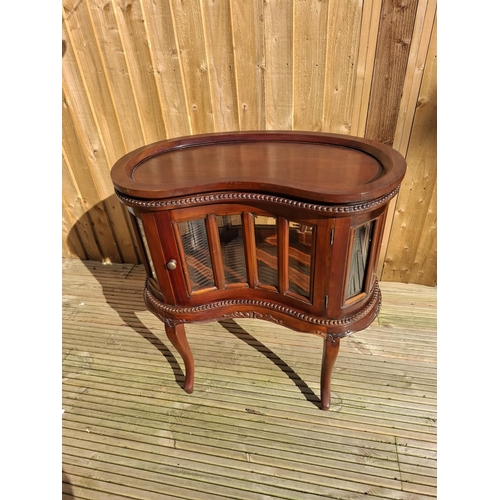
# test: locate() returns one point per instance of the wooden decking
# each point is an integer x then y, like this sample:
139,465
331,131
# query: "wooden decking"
252,428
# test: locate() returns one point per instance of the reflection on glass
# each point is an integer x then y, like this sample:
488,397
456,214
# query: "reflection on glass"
197,253
300,238
359,258
233,250
266,243
145,245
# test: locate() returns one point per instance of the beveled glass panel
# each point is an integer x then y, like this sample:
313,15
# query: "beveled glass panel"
140,225
197,253
232,248
300,242
359,258
266,244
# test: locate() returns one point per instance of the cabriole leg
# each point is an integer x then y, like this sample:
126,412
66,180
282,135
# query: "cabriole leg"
330,352
177,335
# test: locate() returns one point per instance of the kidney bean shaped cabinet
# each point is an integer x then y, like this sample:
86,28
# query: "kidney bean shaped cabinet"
283,226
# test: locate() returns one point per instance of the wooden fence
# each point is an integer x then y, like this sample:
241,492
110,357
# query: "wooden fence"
138,71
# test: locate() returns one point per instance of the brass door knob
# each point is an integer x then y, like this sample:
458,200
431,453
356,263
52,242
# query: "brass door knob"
172,264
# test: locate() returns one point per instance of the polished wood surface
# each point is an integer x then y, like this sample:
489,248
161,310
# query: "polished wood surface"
331,348
177,335
309,210
321,167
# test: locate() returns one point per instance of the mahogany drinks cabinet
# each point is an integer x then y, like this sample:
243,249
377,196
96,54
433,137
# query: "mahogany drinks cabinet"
279,226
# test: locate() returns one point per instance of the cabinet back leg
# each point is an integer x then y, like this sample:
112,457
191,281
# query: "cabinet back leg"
177,335
330,352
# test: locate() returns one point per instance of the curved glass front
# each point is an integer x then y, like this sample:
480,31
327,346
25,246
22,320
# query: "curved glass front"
361,246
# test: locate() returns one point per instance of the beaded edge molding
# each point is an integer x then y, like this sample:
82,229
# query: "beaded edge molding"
286,310
232,196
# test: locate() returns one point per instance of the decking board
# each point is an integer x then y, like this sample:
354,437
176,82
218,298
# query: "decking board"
252,428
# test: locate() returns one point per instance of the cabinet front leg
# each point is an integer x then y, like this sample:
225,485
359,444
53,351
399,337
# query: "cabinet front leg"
330,351
177,335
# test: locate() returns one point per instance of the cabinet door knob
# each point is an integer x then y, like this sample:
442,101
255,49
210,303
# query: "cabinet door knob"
172,264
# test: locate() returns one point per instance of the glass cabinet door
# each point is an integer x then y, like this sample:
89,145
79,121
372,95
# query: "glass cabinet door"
230,230
266,244
145,247
361,245
250,248
196,253
300,252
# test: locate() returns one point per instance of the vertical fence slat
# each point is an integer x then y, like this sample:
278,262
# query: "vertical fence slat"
167,67
309,61
278,33
76,157
117,70
344,25
219,41
421,39
132,27
249,60
77,227
365,62
391,58
411,252
191,42
424,21
88,155
86,77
